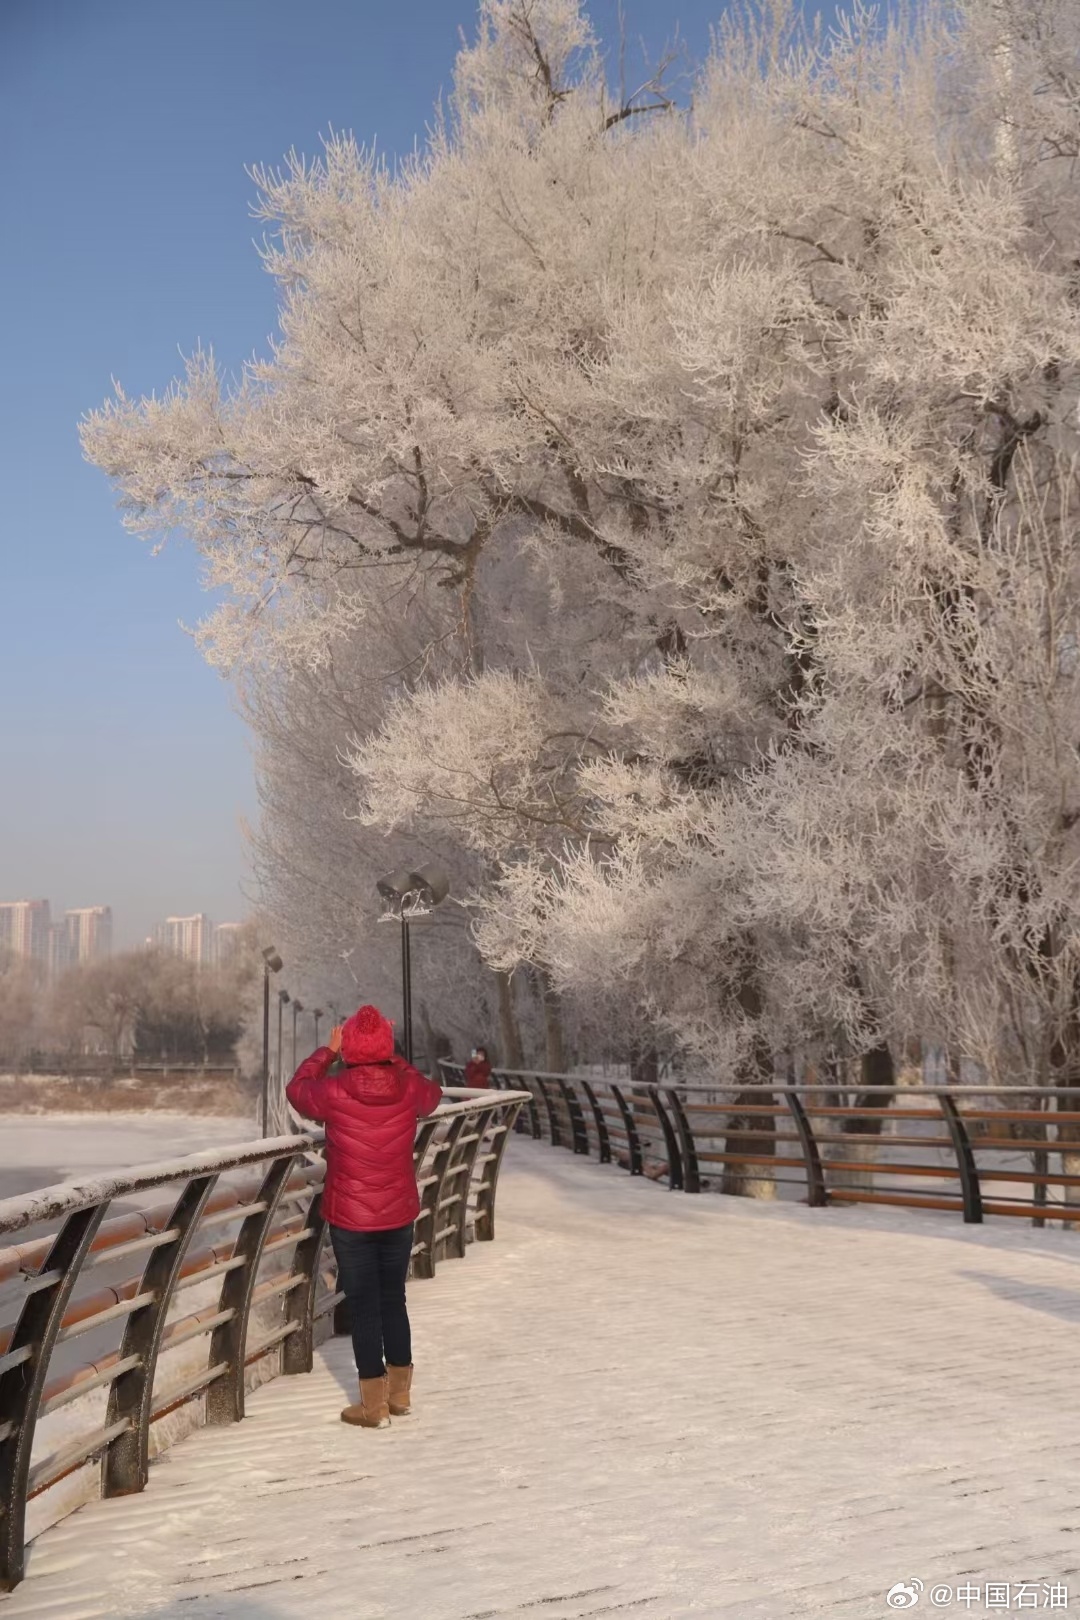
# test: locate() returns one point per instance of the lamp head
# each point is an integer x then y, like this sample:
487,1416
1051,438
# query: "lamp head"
409,893
396,886
433,883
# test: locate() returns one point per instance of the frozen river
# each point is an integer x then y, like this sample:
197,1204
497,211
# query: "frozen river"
39,1149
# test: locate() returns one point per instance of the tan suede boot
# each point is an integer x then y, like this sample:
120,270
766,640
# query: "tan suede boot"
373,1411
400,1379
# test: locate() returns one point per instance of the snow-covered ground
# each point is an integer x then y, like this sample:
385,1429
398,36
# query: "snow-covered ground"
639,1401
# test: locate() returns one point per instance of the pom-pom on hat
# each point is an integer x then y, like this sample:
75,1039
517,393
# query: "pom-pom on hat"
367,1037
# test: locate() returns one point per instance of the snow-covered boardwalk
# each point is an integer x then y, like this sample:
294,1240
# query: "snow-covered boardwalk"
635,1401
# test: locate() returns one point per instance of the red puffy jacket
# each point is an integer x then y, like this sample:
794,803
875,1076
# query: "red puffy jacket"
370,1108
478,1073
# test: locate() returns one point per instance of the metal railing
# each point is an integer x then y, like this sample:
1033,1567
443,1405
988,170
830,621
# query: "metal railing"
975,1151
115,1323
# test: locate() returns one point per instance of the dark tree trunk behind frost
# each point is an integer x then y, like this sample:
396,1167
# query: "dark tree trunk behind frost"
644,1072
436,1043
752,1134
512,1055
644,1065
1065,1071
876,1068
554,1038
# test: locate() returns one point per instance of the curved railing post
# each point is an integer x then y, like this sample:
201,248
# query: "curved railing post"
691,1172
126,1463
484,1225
460,1171
23,1370
528,1125
970,1190
633,1140
553,1119
675,1169
534,1114
419,1263
424,1134
298,1349
603,1140
816,1191
577,1118
225,1395
523,1123
431,1196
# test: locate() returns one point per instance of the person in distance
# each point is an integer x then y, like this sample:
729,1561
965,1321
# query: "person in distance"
369,1100
478,1068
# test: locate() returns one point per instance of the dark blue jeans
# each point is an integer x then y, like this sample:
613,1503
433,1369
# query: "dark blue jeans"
372,1268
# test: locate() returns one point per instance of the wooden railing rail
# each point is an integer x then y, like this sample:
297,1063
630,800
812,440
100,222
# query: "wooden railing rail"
974,1150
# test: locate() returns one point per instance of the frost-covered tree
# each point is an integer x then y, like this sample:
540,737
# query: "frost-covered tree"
665,512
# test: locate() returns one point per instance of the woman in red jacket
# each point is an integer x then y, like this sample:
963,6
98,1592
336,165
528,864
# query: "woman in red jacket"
370,1106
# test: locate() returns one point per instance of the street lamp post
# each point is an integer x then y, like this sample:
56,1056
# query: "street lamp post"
271,964
283,997
297,1008
406,895
406,985
316,1013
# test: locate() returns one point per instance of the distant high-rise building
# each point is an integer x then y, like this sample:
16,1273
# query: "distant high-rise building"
59,957
187,937
227,937
24,928
88,933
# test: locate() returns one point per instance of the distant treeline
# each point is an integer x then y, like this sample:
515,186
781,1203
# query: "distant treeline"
142,1007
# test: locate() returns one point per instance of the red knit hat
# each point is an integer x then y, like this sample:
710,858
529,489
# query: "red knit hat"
367,1037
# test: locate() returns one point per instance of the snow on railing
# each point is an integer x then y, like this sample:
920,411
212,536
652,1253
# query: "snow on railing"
972,1150
179,1324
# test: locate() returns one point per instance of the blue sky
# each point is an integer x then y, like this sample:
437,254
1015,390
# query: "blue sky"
125,128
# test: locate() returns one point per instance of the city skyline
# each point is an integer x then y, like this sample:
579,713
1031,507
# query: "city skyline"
81,934
196,938
30,928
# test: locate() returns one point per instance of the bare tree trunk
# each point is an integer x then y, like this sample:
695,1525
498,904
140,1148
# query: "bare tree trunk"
910,1071
644,1072
512,1054
876,1068
435,1045
752,1134
833,1078
554,1042
1040,1157
1065,1071
644,1065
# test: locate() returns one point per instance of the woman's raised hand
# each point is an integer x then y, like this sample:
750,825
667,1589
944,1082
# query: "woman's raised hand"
334,1043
